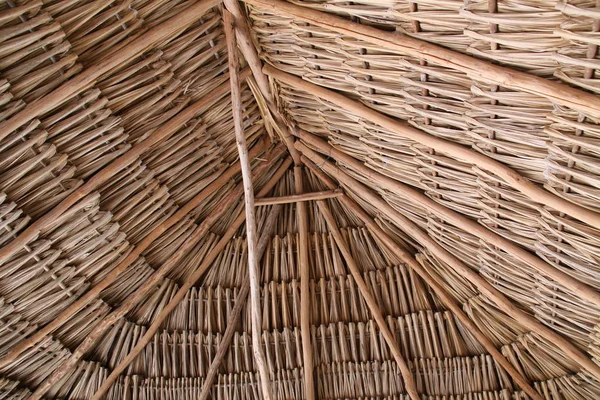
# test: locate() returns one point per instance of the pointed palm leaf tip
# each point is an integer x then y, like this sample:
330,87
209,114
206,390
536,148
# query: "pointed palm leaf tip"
299,200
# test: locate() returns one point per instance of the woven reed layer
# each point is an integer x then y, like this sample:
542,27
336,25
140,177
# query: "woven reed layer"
551,145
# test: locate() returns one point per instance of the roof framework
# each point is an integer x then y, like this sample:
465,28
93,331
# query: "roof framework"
299,200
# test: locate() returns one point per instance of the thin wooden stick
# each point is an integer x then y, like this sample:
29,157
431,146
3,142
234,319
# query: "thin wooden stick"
112,276
579,288
253,271
305,323
244,41
164,132
187,285
433,280
297,198
87,77
240,302
501,301
409,381
452,149
473,67
150,283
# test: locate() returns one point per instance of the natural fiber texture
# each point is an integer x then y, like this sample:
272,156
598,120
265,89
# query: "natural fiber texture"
178,202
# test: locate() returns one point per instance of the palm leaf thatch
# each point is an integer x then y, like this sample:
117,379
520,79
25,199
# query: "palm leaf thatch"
309,199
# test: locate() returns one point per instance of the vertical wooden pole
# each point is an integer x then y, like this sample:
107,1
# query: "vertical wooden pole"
303,248
236,100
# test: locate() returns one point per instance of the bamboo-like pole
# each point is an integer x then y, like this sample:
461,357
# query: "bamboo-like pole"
181,293
305,323
244,41
475,68
579,288
150,283
89,75
162,133
240,302
112,276
433,280
501,301
253,269
452,149
409,381
297,198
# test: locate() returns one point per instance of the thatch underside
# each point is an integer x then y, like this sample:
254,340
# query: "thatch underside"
450,249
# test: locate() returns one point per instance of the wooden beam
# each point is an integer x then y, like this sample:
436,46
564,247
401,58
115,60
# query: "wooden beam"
434,281
112,276
103,175
240,302
87,77
499,299
409,381
579,288
148,284
465,154
187,285
305,322
296,198
244,41
475,68
253,270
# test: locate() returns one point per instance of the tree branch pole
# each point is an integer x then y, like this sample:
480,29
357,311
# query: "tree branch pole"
253,271
305,323
297,198
103,175
112,276
579,288
455,150
499,299
182,292
409,381
433,280
475,68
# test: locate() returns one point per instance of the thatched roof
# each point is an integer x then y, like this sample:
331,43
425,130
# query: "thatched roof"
299,200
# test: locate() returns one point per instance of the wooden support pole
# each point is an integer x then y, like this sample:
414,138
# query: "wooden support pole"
103,175
253,271
409,381
475,68
246,45
296,198
460,152
148,284
434,281
579,288
187,285
305,323
112,276
501,301
86,78
240,302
